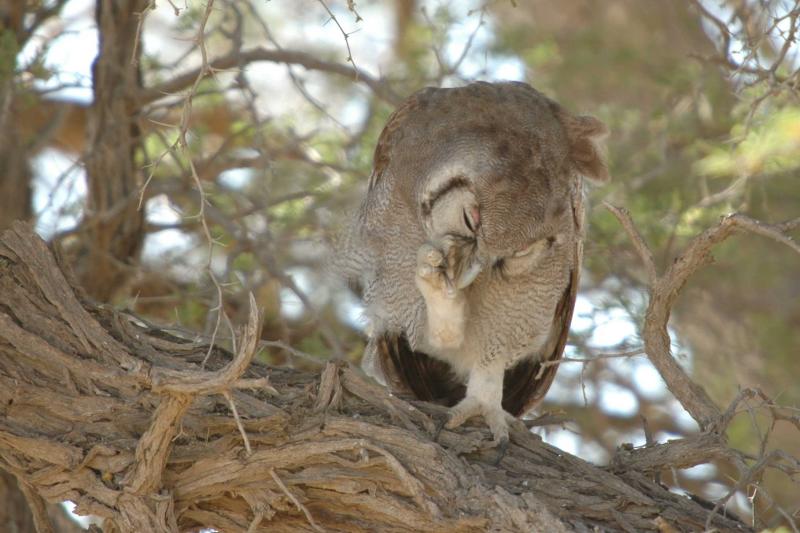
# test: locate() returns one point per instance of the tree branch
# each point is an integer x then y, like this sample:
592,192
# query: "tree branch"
289,57
326,450
665,289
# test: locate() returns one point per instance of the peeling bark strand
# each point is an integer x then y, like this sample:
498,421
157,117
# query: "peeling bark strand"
122,419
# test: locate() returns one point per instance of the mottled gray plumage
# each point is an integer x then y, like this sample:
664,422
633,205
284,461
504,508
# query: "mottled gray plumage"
468,244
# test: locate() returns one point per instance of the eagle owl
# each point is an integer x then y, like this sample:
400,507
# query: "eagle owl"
467,246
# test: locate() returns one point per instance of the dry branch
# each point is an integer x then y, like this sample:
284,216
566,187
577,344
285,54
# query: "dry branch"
332,452
713,422
242,58
665,289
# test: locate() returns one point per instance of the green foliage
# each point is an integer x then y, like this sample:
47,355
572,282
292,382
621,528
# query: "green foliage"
543,55
313,344
771,146
190,312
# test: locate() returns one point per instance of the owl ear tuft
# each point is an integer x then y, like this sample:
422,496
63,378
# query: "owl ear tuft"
585,135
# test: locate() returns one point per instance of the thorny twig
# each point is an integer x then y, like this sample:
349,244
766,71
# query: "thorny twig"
598,357
772,43
182,143
151,5
346,35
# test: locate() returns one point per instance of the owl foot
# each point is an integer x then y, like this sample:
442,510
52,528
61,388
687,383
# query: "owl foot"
448,264
495,416
445,305
432,270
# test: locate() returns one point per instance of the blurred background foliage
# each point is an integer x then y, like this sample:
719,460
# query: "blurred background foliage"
245,189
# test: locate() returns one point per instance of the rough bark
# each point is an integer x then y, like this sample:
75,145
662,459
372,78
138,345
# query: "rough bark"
15,204
102,409
114,224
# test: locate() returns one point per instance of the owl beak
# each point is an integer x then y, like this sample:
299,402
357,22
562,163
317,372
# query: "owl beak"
469,274
478,262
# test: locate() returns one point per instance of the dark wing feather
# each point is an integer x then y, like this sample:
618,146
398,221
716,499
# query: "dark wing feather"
416,373
524,385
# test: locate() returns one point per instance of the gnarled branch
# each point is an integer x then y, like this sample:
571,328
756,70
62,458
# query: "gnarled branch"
332,452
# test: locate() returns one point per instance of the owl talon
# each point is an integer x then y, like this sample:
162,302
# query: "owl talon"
443,266
432,269
495,417
431,255
437,429
463,411
445,305
502,450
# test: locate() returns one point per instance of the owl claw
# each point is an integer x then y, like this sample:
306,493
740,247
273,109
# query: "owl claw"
440,265
438,427
469,275
502,450
432,268
495,417
445,305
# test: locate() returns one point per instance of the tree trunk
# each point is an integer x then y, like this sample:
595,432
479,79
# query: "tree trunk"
15,172
120,417
114,223
15,175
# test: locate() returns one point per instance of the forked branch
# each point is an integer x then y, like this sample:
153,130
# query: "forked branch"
664,289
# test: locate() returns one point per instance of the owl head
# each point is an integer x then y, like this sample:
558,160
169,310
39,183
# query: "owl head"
492,163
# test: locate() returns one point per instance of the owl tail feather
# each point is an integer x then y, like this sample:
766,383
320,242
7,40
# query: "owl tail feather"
416,373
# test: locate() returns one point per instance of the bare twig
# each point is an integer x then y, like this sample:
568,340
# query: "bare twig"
598,357
663,292
151,5
194,382
239,425
748,27
641,247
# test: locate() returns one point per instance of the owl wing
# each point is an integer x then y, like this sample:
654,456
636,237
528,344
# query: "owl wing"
526,384
410,372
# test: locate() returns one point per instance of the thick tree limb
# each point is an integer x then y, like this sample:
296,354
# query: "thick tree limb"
335,452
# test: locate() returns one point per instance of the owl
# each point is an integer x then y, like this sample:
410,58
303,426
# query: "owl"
467,247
